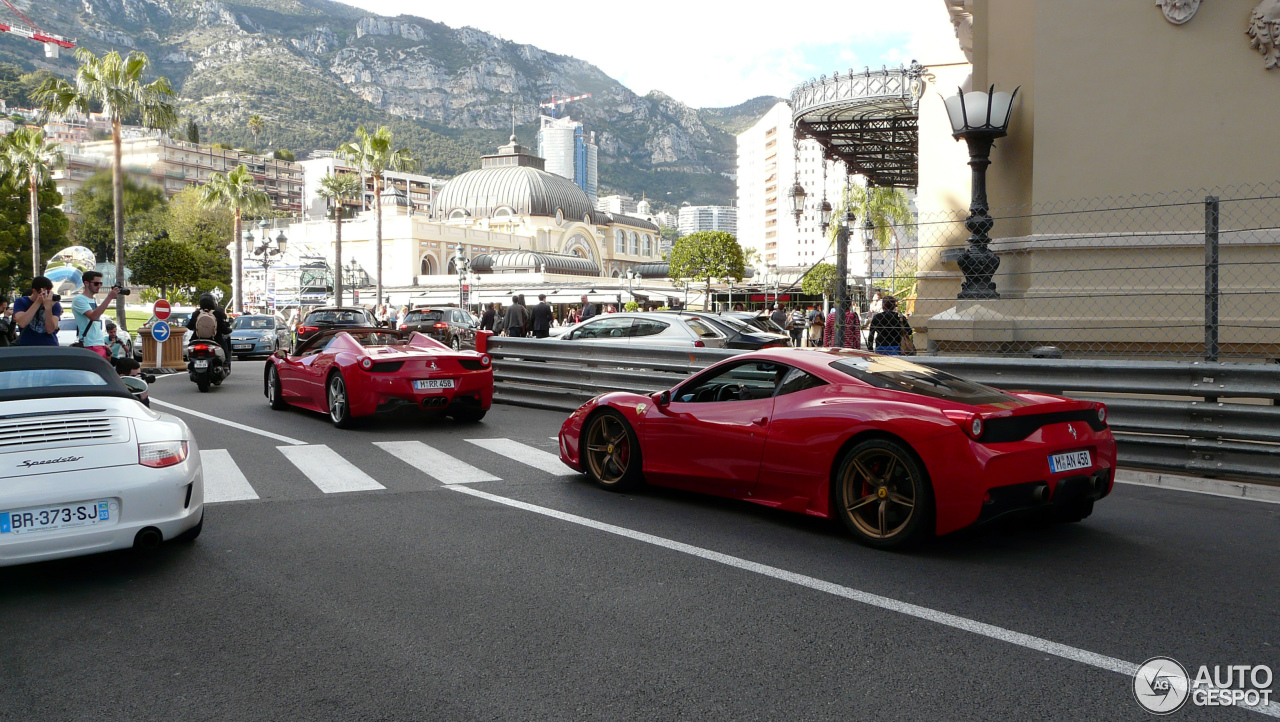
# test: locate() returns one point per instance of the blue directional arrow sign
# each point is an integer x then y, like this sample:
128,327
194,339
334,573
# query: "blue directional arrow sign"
160,331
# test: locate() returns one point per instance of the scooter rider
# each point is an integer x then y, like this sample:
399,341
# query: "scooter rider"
223,336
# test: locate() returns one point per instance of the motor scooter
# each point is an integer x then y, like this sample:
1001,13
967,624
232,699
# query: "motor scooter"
208,363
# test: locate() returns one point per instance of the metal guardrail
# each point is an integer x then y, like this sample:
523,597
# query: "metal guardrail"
1166,416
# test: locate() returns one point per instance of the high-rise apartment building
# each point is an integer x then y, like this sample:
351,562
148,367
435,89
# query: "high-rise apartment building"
569,153
693,219
174,165
419,189
618,204
768,167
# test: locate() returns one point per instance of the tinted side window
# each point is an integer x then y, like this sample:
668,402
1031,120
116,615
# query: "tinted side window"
647,327
605,328
738,382
797,380
700,328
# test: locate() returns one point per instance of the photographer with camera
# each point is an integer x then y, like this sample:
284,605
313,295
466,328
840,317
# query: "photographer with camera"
88,326
37,314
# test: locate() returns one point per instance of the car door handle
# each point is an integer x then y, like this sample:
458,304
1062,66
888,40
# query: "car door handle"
760,421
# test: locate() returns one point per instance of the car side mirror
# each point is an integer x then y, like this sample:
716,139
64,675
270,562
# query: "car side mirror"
662,399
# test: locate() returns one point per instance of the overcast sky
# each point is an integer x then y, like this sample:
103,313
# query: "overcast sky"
710,54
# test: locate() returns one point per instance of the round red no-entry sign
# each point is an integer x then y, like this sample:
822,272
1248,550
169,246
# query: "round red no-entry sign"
161,309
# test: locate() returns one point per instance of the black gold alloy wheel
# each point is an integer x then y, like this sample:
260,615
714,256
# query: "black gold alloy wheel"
611,453
339,404
882,495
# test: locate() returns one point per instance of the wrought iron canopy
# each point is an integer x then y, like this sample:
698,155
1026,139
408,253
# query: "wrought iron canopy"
868,120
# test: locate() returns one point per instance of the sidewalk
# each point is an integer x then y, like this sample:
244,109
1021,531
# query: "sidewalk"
1213,487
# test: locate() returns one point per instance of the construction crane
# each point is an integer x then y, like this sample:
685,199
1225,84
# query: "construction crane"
31,31
552,104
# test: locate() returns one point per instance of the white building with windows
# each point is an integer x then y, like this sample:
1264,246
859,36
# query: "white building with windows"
693,219
618,204
768,167
569,153
420,189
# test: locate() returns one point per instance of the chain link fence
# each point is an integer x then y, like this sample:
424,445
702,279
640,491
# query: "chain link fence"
1191,275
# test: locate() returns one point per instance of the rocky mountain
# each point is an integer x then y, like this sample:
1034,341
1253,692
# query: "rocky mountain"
315,69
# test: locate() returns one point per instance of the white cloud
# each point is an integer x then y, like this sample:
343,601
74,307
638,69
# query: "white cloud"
710,54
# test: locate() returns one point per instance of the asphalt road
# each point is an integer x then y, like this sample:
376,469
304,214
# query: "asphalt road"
537,596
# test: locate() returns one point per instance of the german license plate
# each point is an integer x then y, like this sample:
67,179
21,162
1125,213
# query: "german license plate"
432,384
1070,461
243,346
48,518
200,364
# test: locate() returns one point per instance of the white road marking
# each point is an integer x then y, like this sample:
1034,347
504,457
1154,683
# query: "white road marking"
223,480
526,454
328,470
1092,659
435,463
225,422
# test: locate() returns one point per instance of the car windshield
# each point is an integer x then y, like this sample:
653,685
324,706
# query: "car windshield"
253,322
335,317
889,372
48,379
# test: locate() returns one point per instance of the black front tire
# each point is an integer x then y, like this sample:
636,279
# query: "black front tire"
603,428
273,389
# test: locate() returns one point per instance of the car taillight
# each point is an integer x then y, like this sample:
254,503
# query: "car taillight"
160,454
971,423
366,363
440,325
308,329
699,344
485,360
1102,413
775,344
404,327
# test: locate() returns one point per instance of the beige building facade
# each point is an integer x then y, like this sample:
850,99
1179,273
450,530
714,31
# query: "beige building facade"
1118,102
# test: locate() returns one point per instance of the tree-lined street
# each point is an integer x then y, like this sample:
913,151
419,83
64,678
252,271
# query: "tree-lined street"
535,594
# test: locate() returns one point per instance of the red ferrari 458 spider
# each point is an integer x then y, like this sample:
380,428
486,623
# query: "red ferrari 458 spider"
897,451
353,372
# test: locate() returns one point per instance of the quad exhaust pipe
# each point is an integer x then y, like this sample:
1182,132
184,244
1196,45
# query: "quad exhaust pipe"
148,538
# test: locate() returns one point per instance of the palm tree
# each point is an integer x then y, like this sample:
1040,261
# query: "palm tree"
337,188
235,190
255,126
886,207
25,155
115,84
372,154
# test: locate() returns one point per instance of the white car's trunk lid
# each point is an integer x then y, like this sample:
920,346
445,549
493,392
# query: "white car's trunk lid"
47,437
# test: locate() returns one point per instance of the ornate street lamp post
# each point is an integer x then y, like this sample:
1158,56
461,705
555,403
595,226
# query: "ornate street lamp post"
869,238
265,251
462,264
979,118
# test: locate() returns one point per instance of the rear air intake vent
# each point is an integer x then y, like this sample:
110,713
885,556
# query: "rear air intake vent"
14,433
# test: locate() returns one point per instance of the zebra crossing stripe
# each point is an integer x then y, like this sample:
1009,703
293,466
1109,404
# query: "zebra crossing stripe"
435,463
525,454
223,480
331,473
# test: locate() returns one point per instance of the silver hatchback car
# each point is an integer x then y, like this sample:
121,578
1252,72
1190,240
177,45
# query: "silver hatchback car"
645,329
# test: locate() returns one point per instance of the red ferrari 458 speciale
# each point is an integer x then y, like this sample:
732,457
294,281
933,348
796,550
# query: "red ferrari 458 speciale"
348,373
897,451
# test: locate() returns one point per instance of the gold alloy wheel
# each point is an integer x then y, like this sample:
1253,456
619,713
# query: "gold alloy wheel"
608,449
882,491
